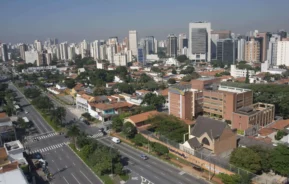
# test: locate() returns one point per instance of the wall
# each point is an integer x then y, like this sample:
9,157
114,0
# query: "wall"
240,121
187,105
226,143
174,104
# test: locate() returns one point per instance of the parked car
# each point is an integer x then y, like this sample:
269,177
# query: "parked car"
37,155
144,157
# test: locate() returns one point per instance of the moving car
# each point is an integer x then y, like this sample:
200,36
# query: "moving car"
144,157
26,112
115,140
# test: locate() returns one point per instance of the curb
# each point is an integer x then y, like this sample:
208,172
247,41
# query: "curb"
34,108
198,177
84,163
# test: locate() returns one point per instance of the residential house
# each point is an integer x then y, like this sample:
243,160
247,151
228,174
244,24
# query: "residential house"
139,120
82,101
60,86
212,135
141,92
15,151
80,70
105,111
77,88
7,130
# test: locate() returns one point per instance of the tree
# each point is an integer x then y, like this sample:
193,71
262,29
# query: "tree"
182,58
43,103
264,155
279,160
247,159
155,69
129,130
31,93
117,123
87,150
73,132
99,91
139,140
70,83
144,78
151,86
247,77
126,88
22,123
172,81
230,179
118,168
187,78
174,71
188,70
154,100
159,148
58,114
161,54
280,134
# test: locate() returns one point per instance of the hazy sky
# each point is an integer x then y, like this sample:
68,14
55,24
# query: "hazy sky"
75,20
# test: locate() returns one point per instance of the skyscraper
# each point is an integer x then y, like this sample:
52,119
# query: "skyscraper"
149,45
264,45
252,50
200,41
95,49
133,42
71,52
241,49
63,51
283,52
4,52
22,49
38,45
55,41
172,47
272,49
182,42
225,51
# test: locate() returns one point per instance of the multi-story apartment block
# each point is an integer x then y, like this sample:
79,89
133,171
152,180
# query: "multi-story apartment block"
283,52
252,50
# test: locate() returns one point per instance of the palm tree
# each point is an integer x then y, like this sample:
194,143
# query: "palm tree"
73,132
58,114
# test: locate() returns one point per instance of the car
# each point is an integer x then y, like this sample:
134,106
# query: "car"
26,112
37,155
115,140
144,157
86,122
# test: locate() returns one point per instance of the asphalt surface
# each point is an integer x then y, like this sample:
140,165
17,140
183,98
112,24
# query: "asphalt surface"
151,170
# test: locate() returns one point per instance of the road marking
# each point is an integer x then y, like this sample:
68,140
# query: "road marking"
182,172
66,155
65,180
85,176
73,163
75,178
148,165
163,173
141,168
60,158
156,177
170,170
52,160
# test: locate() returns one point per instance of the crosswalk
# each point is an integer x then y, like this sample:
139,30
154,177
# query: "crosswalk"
100,134
37,138
49,148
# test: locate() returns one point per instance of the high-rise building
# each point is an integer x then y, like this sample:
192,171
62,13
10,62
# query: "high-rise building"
225,50
200,41
133,42
38,45
102,52
149,45
4,52
23,48
55,41
215,36
282,33
95,49
110,51
156,45
120,59
63,51
241,49
172,48
71,52
141,55
31,56
283,52
265,37
222,34
181,45
272,49
252,50
84,48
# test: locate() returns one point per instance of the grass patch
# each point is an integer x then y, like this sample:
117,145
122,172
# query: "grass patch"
240,132
105,178
181,160
47,119
124,177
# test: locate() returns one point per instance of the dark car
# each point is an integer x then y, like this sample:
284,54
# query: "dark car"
37,155
86,122
144,157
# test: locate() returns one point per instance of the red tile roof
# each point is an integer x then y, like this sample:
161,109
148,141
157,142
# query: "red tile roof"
3,115
266,131
104,106
280,125
142,117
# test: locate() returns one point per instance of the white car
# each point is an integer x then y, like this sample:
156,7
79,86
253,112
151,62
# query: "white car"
26,112
115,140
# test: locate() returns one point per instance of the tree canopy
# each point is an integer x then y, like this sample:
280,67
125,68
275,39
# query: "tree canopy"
70,83
279,160
188,70
154,100
172,81
129,130
182,58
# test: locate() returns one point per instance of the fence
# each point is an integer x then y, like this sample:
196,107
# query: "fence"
214,160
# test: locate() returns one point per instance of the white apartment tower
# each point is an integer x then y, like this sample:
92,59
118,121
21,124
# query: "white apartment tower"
63,51
132,36
283,53
200,41
95,50
71,52
272,49
38,45
241,49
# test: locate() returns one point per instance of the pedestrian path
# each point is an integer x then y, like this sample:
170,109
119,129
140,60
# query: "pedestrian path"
37,138
100,134
49,148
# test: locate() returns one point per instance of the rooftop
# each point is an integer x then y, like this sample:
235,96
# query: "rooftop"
180,88
232,89
11,175
104,106
205,78
142,117
280,125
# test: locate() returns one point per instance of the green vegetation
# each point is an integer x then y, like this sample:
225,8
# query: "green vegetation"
169,126
222,74
191,76
32,92
70,83
73,131
154,100
182,58
247,81
87,116
280,134
234,179
258,159
188,70
7,96
159,148
172,81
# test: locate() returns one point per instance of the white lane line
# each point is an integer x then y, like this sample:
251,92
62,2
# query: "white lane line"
60,158
141,168
156,177
163,173
73,163
67,156
85,176
52,160
148,165
65,180
75,178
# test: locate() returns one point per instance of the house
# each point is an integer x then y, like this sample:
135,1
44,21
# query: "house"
164,93
78,87
80,70
172,61
15,151
141,92
212,135
117,79
280,125
104,111
7,130
110,84
139,120
83,101
61,86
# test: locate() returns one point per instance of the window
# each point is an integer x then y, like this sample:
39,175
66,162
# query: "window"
206,141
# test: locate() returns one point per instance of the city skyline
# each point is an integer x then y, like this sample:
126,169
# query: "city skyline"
74,21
